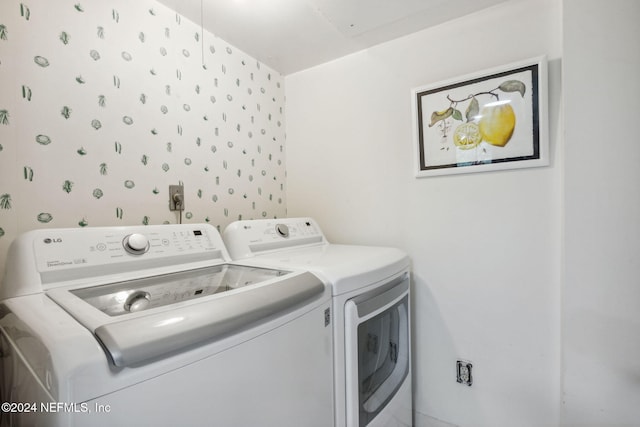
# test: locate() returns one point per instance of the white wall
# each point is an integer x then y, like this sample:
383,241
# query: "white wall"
485,247
601,291
163,119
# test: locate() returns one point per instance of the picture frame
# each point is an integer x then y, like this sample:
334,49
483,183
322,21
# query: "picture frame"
491,120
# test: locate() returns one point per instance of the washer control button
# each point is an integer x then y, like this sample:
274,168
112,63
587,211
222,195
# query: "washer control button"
136,244
282,230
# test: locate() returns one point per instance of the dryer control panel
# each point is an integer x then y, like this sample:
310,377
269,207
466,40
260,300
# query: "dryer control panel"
57,257
245,239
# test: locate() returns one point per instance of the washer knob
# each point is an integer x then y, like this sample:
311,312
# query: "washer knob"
136,243
282,230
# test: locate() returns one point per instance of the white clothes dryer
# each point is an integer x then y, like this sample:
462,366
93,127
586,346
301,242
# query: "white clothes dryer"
151,325
371,316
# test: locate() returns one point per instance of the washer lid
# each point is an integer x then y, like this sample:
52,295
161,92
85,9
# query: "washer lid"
183,309
132,296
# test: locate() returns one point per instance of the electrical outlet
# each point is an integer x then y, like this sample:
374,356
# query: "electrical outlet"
176,198
463,372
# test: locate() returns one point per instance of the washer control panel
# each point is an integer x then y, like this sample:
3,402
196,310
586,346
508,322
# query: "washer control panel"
69,255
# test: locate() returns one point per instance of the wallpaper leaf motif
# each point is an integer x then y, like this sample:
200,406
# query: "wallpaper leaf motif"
5,201
126,99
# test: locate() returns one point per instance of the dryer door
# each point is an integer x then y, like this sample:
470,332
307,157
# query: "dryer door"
377,343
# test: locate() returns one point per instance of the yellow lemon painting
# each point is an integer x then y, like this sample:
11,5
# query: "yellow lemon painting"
479,121
492,123
486,121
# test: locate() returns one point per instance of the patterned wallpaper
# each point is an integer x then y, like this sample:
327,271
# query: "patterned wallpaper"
103,105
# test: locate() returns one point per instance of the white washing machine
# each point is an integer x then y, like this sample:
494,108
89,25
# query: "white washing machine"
151,325
371,317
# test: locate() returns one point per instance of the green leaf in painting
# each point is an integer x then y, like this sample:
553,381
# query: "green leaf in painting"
513,86
472,110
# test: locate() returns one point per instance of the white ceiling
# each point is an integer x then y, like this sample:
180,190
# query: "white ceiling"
291,35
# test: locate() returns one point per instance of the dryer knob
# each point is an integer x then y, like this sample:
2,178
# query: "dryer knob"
136,244
282,230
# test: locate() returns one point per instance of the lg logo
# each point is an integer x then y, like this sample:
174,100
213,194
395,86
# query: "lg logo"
56,240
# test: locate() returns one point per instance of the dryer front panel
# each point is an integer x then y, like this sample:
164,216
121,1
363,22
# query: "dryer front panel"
378,348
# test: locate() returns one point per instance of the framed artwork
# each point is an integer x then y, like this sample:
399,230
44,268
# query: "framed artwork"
492,120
